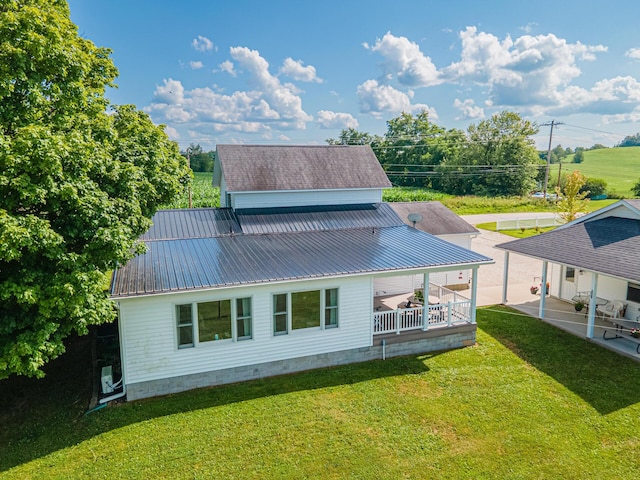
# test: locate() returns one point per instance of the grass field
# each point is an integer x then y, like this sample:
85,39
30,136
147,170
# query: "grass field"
620,167
528,401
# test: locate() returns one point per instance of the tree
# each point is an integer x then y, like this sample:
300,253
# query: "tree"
573,201
630,141
636,189
499,158
198,160
579,156
78,184
351,136
594,187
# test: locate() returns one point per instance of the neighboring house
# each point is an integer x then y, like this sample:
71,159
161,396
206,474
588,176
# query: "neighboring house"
280,279
438,220
598,253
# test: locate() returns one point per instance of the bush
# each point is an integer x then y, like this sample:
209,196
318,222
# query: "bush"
636,189
595,187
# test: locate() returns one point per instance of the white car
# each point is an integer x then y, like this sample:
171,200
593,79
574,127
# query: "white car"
550,196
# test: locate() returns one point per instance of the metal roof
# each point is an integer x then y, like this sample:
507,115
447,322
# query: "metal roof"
252,168
191,223
436,218
312,218
199,263
610,245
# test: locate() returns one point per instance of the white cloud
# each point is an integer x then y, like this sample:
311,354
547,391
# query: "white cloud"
633,53
469,109
171,132
271,105
377,99
196,65
297,71
202,44
328,119
227,66
405,61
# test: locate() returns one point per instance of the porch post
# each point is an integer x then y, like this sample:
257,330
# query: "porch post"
592,305
505,278
543,289
425,301
474,293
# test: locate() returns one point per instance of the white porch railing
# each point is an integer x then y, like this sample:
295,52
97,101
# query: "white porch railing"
403,319
519,223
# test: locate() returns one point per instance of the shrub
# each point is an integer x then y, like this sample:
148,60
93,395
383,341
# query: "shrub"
595,187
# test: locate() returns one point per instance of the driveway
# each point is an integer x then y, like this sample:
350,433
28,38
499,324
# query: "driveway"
523,271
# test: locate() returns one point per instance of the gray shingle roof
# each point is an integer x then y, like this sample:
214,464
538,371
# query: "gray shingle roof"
436,218
250,168
610,245
199,263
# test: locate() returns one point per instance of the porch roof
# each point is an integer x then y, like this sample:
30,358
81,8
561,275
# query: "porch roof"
610,246
232,260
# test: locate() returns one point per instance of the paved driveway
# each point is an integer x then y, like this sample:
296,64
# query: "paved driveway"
523,271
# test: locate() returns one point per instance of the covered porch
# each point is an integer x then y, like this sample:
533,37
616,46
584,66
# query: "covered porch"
563,315
437,307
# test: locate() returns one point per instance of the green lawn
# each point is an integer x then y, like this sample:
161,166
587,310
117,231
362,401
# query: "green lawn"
620,167
528,401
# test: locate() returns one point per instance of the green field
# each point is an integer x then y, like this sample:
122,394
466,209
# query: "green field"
528,401
620,167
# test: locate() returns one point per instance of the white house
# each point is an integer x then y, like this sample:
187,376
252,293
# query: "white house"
281,278
596,257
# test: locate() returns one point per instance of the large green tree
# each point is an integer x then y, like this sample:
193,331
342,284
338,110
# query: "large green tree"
78,182
499,159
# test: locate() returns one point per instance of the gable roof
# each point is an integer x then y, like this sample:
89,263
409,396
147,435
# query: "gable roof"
436,218
610,245
253,168
359,241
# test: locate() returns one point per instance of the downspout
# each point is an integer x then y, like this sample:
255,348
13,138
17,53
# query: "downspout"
116,396
384,349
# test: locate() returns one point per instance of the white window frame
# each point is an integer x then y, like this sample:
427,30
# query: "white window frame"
323,309
178,326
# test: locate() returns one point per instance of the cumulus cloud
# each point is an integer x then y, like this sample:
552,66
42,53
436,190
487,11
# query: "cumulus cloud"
196,65
271,105
469,109
227,66
202,44
633,53
328,119
296,70
405,61
378,99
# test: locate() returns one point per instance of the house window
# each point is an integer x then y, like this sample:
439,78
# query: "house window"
280,314
307,309
243,319
331,308
214,321
570,274
184,322
633,292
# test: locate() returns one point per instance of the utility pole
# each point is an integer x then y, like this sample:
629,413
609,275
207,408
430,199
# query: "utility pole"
546,173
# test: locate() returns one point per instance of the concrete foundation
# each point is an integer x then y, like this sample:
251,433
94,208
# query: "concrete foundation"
407,343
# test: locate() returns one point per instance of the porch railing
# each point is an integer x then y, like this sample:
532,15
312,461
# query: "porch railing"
403,319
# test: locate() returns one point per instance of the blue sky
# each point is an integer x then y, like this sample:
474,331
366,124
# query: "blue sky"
280,72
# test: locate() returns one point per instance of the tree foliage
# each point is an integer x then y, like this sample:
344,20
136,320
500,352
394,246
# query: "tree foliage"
636,188
573,199
630,141
78,184
199,160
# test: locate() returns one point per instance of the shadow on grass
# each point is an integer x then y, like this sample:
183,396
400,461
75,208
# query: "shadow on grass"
40,417
604,379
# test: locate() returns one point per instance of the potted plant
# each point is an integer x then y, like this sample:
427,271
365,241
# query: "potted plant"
579,305
533,289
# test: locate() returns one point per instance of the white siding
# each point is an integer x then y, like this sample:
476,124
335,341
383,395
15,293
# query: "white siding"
304,198
148,329
394,285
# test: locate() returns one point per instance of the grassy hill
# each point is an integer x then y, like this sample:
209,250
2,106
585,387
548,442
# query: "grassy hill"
620,167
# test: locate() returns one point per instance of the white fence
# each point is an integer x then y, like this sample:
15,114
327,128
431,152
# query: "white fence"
518,223
413,318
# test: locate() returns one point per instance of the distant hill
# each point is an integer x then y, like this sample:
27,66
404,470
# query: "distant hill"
619,167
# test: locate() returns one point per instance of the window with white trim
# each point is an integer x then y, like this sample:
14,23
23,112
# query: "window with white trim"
216,320
305,309
184,323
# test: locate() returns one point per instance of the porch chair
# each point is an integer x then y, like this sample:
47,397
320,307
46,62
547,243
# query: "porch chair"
612,310
583,297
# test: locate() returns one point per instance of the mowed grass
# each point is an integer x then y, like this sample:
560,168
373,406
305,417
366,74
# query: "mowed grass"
528,401
620,167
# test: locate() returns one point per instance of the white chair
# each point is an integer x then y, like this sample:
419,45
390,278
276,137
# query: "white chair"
582,297
613,310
